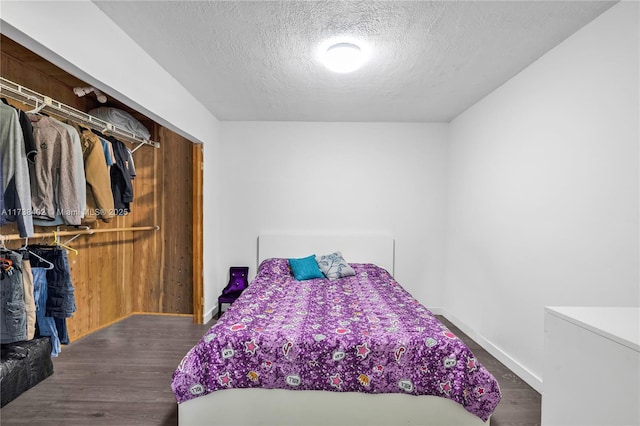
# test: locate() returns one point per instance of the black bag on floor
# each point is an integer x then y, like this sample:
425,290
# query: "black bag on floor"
23,365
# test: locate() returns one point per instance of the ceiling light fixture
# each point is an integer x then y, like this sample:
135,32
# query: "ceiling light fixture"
343,57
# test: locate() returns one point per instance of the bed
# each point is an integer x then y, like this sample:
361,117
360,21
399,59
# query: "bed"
355,350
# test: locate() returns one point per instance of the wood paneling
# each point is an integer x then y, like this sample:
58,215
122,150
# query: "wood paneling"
177,223
118,273
197,243
18,72
146,210
34,62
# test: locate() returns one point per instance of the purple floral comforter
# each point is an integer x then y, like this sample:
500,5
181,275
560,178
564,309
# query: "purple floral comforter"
357,334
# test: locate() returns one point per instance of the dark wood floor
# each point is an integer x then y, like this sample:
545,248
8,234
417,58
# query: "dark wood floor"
520,404
121,376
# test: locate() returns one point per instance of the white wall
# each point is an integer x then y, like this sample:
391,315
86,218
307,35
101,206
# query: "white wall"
542,176
286,176
543,192
80,38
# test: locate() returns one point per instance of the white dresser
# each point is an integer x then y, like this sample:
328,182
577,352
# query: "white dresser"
591,366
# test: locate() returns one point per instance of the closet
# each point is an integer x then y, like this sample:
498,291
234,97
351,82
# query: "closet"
152,260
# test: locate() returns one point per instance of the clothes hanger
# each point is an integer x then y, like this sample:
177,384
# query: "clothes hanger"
50,265
40,104
56,241
83,227
7,250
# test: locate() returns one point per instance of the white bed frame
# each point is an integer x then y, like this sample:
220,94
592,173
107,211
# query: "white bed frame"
248,407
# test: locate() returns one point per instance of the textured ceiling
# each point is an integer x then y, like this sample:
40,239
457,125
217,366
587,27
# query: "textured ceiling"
430,60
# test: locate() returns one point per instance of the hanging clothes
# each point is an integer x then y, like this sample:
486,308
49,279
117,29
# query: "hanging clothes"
60,294
55,300
131,164
46,326
53,175
13,318
27,133
98,178
3,219
108,152
78,165
121,184
29,301
16,187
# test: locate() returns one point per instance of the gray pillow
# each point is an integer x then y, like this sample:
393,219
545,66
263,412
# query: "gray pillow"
333,266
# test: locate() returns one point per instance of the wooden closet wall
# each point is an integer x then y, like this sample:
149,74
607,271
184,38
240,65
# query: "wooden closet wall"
116,274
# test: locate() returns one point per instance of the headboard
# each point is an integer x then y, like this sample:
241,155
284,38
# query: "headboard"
355,248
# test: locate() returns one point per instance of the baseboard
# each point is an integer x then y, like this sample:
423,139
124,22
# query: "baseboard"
208,316
519,369
436,311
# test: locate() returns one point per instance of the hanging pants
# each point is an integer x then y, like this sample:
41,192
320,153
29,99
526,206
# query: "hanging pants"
46,325
61,299
13,317
57,300
29,301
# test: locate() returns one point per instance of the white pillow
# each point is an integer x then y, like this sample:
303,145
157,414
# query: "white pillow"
333,266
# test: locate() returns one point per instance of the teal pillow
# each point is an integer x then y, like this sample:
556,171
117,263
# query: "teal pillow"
305,268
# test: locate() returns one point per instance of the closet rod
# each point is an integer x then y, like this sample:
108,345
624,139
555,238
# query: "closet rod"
20,93
12,237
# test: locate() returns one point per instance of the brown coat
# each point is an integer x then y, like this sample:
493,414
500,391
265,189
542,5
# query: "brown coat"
99,195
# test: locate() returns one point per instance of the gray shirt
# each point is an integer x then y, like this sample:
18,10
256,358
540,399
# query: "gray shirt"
15,172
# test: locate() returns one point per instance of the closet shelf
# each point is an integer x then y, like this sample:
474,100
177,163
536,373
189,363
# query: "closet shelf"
22,94
12,237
